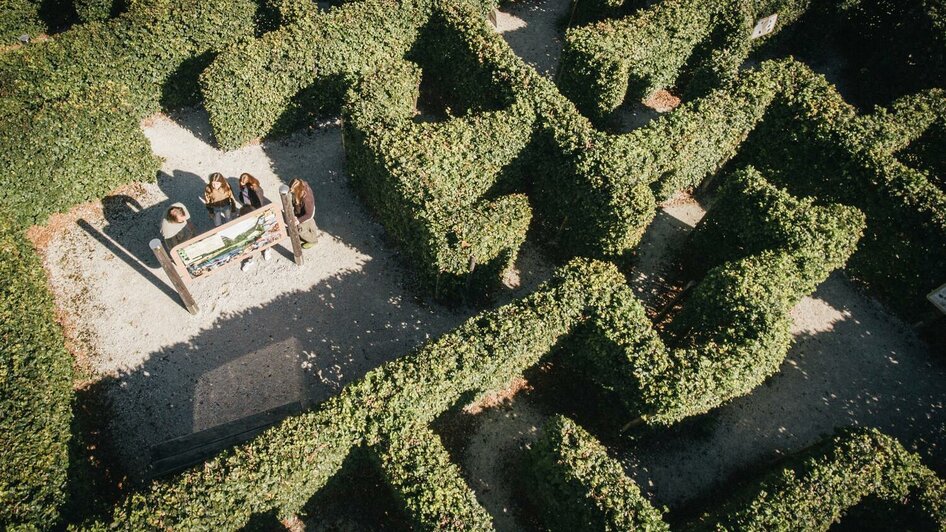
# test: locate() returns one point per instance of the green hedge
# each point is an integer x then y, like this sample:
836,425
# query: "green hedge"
35,389
274,83
767,250
418,468
604,64
70,106
816,487
577,486
813,143
20,17
427,181
72,150
94,10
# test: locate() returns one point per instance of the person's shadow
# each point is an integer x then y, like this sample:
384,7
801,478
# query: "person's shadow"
130,227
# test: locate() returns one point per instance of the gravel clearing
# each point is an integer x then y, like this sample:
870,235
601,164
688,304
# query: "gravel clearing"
263,338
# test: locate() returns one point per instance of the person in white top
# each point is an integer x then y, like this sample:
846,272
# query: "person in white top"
176,226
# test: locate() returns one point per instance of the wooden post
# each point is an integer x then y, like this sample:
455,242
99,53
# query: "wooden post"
291,224
158,248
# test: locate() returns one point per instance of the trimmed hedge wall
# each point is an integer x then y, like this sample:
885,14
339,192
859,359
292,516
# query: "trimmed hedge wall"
417,466
817,486
577,486
35,389
94,10
427,181
734,330
813,143
606,63
20,17
70,106
72,150
275,83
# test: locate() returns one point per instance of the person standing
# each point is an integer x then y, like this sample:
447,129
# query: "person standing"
251,194
218,197
303,206
176,226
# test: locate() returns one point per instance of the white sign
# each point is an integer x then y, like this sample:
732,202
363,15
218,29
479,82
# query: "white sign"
938,298
764,26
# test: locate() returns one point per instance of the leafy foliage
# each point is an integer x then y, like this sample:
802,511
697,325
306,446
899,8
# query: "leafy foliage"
605,63
70,106
579,487
814,489
427,181
20,17
35,389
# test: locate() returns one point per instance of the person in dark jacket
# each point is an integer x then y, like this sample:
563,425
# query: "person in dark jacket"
303,206
251,194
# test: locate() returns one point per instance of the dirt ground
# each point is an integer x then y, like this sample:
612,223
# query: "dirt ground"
281,333
273,335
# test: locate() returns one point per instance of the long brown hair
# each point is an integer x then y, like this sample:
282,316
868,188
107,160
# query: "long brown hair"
297,188
217,176
246,180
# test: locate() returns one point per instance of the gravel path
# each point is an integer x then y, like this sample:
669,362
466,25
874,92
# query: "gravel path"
276,334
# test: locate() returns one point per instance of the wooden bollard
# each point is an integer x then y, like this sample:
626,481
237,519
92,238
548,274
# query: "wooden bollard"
158,248
291,225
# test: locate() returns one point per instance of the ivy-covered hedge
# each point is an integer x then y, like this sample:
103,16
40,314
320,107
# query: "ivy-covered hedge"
816,487
604,64
813,143
427,181
577,486
20,17
766,251
35,389
69,107
274,83
94,10
72,150
419,469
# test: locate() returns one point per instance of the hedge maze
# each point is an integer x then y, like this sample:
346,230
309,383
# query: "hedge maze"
806,186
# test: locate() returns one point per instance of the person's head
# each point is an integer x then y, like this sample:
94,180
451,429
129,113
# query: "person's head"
217,181
176,215
246,180
297,188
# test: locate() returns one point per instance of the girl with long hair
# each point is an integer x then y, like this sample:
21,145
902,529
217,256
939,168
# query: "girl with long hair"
303,206
218,197
251,194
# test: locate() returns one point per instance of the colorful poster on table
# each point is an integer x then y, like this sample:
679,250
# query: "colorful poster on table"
230,243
